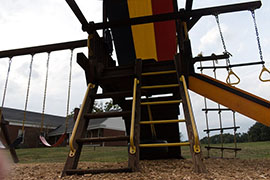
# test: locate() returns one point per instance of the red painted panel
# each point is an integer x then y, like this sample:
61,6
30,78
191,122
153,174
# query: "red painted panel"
165,32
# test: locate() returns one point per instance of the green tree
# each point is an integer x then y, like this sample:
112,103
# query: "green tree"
259,132
105,107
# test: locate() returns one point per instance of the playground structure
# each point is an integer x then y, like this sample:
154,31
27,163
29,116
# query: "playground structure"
153,80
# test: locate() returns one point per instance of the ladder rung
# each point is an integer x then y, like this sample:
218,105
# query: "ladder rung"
225,148
158,73
217,109
96,171
165,144
113,94
102,139
163,121
221,129
162,102
107,114
160,86
106,77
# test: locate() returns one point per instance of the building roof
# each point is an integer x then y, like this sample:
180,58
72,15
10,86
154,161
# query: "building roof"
33,119
58,123
101,123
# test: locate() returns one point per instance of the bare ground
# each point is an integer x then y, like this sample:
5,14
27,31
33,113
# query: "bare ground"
159,169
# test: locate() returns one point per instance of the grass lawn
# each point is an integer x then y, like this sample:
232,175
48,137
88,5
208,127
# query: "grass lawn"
252,150
59,154
249,150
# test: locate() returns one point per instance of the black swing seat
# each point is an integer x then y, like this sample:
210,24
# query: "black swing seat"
17,141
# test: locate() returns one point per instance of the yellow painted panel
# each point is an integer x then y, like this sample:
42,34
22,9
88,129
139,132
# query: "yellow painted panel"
233,101
143,35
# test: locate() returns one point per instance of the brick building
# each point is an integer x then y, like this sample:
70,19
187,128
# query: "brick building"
102,127
54,127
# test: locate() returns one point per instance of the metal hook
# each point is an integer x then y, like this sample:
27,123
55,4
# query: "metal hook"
231,73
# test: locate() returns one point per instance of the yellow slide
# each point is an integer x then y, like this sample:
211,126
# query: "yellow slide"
236,99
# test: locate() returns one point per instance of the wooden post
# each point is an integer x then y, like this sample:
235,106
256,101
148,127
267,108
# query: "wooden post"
72,162
135,158
197,157
184,66
3,126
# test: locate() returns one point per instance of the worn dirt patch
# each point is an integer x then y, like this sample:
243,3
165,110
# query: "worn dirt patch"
159,169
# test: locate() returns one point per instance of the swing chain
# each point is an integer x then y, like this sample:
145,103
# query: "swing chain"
6,83
264,69
28,90
69,89
229,69
257,36
222,40
45,92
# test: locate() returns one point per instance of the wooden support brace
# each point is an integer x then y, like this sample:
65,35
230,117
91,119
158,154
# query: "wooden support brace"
133,159
72,161
196,156
183,68
4,132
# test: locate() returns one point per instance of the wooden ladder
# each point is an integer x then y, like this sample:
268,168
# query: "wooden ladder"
78,139
183,97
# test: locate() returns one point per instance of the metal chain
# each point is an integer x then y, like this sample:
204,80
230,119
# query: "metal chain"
28,90
45,92
6,83
223,41
69,89
229,69
257,35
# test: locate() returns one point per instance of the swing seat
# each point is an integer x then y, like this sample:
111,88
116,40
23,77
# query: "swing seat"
60,140
17,141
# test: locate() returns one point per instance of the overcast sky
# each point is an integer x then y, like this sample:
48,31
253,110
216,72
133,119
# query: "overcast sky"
30,23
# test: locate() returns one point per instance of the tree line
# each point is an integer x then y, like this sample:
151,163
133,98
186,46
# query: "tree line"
257,132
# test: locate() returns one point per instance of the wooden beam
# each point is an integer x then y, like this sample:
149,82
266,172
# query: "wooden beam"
43,48
87,66
210,58
72,162
192,22
134,159
183,69
96,171
182,14
197,157
78,13
189,4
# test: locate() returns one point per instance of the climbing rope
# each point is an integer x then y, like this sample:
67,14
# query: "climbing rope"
219,109
264,69
206,118
27,92
45,92
229,69
219,113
